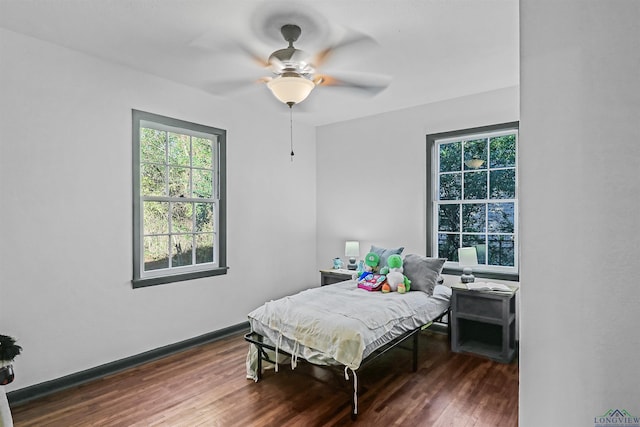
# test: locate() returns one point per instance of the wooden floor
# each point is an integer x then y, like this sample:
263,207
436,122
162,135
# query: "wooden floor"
206,386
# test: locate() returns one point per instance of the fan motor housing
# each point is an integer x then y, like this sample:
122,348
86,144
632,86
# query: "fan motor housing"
288,58
291,33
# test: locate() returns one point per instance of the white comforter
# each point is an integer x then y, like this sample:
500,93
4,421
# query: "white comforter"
343,324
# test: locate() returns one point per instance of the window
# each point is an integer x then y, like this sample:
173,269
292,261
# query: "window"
179,210
473,198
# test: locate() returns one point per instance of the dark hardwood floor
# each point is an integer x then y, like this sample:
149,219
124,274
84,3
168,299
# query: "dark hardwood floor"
206,386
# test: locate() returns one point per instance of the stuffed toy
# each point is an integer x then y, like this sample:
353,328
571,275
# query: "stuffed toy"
370,265
396,280
370,280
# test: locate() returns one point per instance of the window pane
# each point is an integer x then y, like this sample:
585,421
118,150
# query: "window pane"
449,218
156,217
448,245
179,182
179,149
503,184
501,250
156,252
202,183
451,186
182,250
475,185
153,145
182,218
450,156
478,242
204,217
476,149
503,151
152,180
204,248
501,218
202,153
474,217
481,250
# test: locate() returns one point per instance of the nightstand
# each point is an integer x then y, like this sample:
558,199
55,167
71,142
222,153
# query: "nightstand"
484,323
329,277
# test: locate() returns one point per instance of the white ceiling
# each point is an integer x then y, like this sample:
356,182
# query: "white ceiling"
430,49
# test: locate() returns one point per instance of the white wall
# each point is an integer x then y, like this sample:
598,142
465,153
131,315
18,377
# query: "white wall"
371,183
580,152
65,184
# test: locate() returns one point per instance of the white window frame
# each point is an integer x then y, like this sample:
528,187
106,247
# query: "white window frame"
433,186
142,278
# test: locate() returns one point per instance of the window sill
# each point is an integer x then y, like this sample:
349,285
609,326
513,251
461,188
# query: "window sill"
161,280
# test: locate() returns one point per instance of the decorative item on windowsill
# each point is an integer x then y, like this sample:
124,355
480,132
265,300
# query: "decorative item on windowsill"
8,351
467,258
352,251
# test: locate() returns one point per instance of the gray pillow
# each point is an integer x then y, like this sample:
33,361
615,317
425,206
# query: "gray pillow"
384,253
423,272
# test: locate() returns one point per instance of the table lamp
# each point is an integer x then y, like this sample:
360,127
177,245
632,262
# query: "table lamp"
467,258
352,250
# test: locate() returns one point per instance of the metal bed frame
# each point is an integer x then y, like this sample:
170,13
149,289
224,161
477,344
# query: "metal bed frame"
258,340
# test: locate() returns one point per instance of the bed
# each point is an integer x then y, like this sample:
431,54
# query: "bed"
341,325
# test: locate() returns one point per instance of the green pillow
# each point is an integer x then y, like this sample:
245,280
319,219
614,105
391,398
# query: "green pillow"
423,272
384,253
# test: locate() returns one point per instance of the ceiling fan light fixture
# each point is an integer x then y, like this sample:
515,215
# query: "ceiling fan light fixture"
474,163
291,89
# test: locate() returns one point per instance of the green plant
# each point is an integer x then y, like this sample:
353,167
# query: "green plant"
8,348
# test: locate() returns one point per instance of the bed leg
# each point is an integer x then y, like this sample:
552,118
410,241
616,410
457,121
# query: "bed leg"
259,369
354,408
354,400
415,351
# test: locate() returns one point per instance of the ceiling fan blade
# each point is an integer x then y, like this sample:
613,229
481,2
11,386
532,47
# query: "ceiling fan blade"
257,59
225,87
352,41
365,83
216,44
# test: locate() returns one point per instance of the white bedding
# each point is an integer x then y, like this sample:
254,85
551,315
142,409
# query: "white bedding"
342,324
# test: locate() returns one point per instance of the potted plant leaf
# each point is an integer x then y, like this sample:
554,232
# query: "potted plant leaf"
8,351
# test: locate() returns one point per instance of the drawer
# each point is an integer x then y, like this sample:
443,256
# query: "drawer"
475,305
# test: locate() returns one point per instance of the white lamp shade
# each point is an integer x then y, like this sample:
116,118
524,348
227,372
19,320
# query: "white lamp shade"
467,257
291,89
352,249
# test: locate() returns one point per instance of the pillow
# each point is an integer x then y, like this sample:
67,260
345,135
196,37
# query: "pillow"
423,272
385,253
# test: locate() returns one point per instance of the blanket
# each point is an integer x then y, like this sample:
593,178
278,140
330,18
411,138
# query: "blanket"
340,320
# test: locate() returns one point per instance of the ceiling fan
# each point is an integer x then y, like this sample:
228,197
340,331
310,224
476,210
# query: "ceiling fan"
295,72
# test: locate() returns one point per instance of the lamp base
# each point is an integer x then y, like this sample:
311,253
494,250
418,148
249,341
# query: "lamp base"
467,276
352,264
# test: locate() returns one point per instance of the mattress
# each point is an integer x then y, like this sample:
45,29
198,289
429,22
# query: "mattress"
341,324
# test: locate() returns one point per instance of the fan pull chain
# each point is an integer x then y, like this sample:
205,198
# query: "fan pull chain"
291,128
